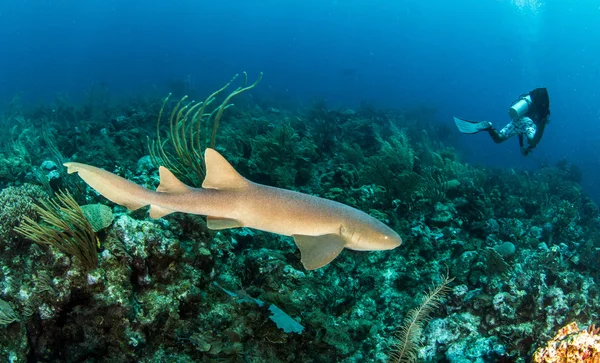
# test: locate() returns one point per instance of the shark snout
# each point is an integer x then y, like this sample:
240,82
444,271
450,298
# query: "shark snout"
391,241
379,241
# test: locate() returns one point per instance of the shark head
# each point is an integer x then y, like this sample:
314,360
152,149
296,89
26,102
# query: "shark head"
370,234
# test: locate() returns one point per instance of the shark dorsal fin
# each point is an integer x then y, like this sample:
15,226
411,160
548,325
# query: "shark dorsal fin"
220,174
169,182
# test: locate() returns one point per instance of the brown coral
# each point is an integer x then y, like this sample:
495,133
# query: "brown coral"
570,345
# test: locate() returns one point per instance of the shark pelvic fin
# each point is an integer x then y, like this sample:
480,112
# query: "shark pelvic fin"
222,223
159,212
220,174
318,251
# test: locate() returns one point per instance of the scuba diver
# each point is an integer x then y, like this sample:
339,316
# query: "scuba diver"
530,114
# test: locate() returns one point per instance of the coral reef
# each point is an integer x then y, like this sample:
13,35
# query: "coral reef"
570,345
522,246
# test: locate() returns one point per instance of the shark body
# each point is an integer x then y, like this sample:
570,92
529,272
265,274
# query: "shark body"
321,228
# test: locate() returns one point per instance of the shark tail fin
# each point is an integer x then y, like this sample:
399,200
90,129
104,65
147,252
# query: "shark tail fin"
471,127
114,188
220,174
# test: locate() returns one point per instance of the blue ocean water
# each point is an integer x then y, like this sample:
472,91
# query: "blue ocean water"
466,58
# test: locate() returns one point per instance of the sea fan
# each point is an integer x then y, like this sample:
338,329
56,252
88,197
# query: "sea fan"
405,346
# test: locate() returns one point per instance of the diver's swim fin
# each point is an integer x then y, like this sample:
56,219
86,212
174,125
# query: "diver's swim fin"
471,127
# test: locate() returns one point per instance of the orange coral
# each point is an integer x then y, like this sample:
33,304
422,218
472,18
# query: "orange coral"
570,345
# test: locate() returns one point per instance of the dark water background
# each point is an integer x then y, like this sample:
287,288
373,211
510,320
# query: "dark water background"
468,58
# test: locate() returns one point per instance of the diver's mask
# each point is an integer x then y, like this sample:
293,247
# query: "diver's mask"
520,107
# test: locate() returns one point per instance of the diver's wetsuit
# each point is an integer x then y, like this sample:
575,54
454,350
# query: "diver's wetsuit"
531,125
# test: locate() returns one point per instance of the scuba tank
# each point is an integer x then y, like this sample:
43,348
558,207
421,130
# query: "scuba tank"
520,107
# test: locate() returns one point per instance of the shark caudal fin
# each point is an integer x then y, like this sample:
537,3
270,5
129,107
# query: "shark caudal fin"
114,188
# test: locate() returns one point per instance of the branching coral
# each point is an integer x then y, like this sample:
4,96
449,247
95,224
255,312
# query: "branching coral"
405,347
282,155
189,133
434,186
392,166
64,227
7,314
398,150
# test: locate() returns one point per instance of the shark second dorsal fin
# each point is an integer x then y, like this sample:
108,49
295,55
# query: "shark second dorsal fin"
220,174
169,182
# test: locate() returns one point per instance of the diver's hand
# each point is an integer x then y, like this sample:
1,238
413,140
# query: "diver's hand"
525,150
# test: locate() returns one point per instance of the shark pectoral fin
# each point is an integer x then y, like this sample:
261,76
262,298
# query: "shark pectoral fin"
222,223
318,251
159,212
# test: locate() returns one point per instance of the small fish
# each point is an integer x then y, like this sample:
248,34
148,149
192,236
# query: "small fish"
321,228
